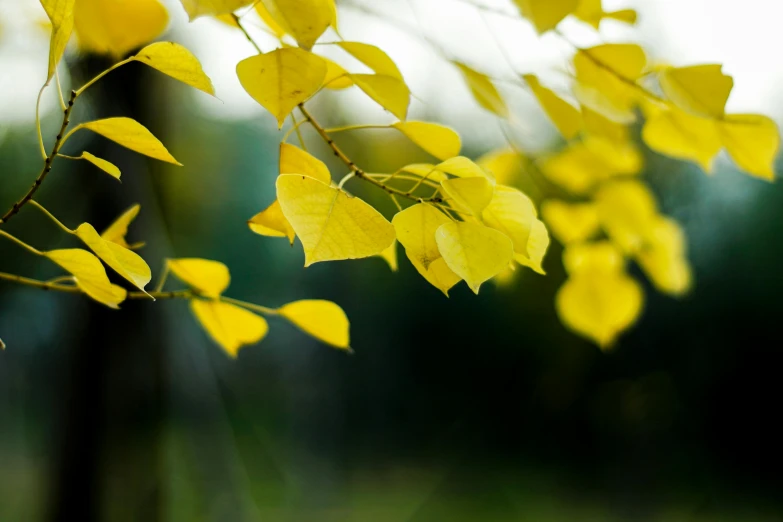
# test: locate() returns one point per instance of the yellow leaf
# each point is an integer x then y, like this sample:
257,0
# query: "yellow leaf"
209,278
269,20
627,211
581,165
504,165
305,20
699,89
664,259
331,224
471,195
438,274
131,134
439,140
372,57
462,167
106,166
591,12
89,274
116,27
599,306
597,125
323,320
605,76
123,261
592,258
752,141
537,245
425,170
336,77
176,61
513,213
571,222
483,90
282,79
565,116
271,222
682,135
474,252
229,326
389,92
390,256
546,14
60,13
117,231
196,8
415,228
294,160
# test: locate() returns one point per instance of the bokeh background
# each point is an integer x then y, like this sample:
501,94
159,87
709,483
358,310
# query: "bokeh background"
462,409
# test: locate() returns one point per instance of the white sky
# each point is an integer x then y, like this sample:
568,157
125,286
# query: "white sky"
676,31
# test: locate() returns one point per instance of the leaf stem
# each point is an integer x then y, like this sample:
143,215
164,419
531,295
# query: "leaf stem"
47,161
51,216
250,306
21,243
360,126
101,75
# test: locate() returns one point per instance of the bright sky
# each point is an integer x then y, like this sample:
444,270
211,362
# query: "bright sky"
676,31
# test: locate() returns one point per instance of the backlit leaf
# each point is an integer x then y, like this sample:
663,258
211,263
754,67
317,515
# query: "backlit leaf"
282,79
546,14
389,92
605,77
305,20
209,278
122,260
117,231
116,27
470,195
513,213
463,167
474,252
592,12
106,166
627,211
331,224
336,77
570,222
390,256
271,222
752,141
133,135
599,306
439,140
196,8
679,134
591,258
89,274
372,57
61,14
664,258
176,61
504,165
699,89
537,245
415,228
565,116
438,274
483,90
230,326
324,320
294,160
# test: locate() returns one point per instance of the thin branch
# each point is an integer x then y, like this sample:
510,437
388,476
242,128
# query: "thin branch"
51,216
47,163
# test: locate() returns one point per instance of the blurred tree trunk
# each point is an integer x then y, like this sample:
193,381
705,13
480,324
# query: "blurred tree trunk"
107,447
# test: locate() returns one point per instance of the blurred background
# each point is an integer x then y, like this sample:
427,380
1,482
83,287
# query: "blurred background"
462,409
